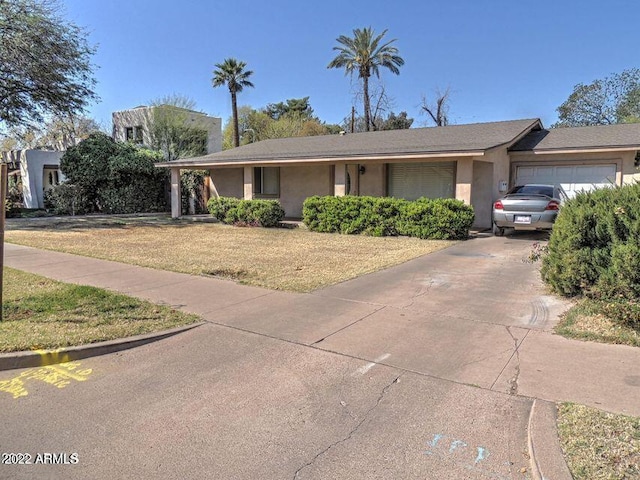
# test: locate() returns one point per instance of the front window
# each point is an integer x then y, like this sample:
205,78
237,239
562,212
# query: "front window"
266,181
133,134
138,135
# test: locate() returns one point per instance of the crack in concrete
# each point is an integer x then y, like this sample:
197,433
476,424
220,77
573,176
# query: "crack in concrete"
352,432
346,326
513,382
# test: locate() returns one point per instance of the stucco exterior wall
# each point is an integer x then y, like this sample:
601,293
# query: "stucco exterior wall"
32,165
142,116
373,182
482,193
298,183
227,182
501,161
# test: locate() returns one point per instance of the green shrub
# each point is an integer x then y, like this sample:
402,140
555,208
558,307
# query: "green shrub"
444,219
623,312
110,177
248,213
594,248
67,199
219,206
384,216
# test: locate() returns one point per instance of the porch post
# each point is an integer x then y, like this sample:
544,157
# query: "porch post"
339,180
248,183
176,194
464,179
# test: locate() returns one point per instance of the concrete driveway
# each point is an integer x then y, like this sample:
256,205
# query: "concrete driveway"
425,370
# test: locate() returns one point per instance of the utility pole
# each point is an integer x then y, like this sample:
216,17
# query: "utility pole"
353,118
4,183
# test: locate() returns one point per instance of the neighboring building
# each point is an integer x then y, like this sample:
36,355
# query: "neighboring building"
38,171
133,125
474,163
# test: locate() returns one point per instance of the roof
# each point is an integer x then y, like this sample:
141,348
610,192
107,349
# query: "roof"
581,138
472,138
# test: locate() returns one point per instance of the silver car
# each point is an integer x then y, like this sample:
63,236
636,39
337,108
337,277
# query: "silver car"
528,207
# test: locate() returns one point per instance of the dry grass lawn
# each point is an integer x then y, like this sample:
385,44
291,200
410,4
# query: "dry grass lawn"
282,259
599,445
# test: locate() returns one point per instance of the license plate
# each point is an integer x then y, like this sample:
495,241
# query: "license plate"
522,219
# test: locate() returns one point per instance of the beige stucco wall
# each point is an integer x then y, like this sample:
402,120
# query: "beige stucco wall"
373,181
482,193
298,183
501,161
227,182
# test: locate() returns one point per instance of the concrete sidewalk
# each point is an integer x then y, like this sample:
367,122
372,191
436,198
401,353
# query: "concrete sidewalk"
473,314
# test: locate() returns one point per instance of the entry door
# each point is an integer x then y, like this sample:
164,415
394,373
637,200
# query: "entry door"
352,186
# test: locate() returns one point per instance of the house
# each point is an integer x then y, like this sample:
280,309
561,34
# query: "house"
133,125
36,171
475,163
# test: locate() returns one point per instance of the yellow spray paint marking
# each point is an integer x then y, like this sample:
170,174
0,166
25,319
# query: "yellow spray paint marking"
58,375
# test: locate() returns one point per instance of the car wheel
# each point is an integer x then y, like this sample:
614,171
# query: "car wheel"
498,231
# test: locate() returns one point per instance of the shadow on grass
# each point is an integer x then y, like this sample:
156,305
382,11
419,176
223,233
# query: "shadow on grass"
92,222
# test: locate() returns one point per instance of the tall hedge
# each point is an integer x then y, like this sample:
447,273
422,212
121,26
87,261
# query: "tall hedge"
110,177
384,216
594,248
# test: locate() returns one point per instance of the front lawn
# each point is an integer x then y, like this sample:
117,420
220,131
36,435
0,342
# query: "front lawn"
282,259
599,445
39,313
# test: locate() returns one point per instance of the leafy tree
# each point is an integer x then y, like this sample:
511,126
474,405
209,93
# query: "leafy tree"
44,63
607,101
232,73
293,106
113,177
171,133
365,54
396,122
56,133
256,125
380,122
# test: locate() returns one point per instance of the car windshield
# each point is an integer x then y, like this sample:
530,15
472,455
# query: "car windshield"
532,190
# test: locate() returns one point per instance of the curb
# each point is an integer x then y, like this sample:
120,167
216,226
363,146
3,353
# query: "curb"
41,358
547,460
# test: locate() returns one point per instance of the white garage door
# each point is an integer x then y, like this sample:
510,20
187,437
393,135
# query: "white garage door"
414,180
573,178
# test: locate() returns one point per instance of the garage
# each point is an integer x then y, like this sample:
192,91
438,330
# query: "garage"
415,180
572,178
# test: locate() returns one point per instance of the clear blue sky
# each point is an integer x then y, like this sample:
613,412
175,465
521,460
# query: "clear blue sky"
502,59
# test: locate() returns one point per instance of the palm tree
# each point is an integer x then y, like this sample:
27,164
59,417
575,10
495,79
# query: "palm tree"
232,73
364,53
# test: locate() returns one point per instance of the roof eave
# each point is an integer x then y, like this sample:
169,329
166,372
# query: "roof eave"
549,151
206,162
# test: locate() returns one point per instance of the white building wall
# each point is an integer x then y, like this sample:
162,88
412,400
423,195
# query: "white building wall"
142,117
32,165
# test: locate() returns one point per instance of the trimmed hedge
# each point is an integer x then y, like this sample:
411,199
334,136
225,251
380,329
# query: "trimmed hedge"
445,219
594,248
246,213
